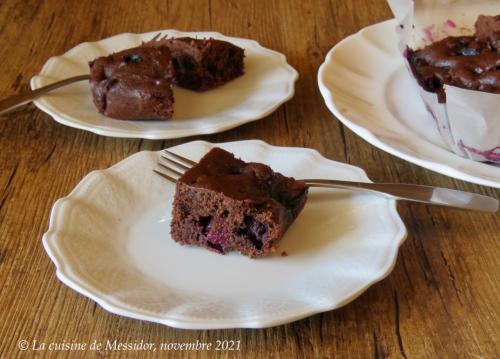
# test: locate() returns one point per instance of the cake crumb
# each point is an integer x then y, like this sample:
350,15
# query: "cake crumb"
284,254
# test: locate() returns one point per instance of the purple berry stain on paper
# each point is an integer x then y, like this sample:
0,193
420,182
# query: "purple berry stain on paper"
492,155
450,23
428,33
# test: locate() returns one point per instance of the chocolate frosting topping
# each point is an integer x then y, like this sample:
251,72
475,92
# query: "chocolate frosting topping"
220,171
471,62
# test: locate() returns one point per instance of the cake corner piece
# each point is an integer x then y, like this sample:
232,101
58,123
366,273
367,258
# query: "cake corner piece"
204,64
225,204
133,84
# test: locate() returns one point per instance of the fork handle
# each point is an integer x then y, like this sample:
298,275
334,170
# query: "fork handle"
416,193
15,101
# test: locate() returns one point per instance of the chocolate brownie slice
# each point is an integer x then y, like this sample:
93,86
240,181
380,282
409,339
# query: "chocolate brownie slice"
225,204
202,64
134,84
470,62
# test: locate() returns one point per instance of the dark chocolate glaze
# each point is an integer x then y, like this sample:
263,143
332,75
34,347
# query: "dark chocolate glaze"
202,64
225,204
220,171
134,84
470,62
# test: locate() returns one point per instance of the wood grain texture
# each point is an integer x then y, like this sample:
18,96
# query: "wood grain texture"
441,300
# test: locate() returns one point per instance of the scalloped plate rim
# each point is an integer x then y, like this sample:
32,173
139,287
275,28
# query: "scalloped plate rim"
44,103
64,273
373,139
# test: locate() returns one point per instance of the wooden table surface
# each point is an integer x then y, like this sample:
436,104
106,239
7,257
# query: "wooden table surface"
440,301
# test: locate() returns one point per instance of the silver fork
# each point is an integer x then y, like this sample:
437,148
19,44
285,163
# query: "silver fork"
176,165
15,101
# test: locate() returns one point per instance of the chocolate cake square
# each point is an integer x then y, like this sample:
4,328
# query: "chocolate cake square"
225,204
202,64
134,84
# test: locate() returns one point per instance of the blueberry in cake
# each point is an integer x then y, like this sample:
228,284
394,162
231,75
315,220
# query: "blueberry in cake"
470,62
225,204
134,84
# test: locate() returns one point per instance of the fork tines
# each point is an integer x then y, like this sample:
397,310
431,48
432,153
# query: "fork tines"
158,37
172,166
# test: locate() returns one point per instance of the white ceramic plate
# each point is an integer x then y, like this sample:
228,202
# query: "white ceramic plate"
110,241
268,82
366,86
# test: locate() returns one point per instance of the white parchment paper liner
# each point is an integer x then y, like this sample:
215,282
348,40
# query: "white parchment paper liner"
469,121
